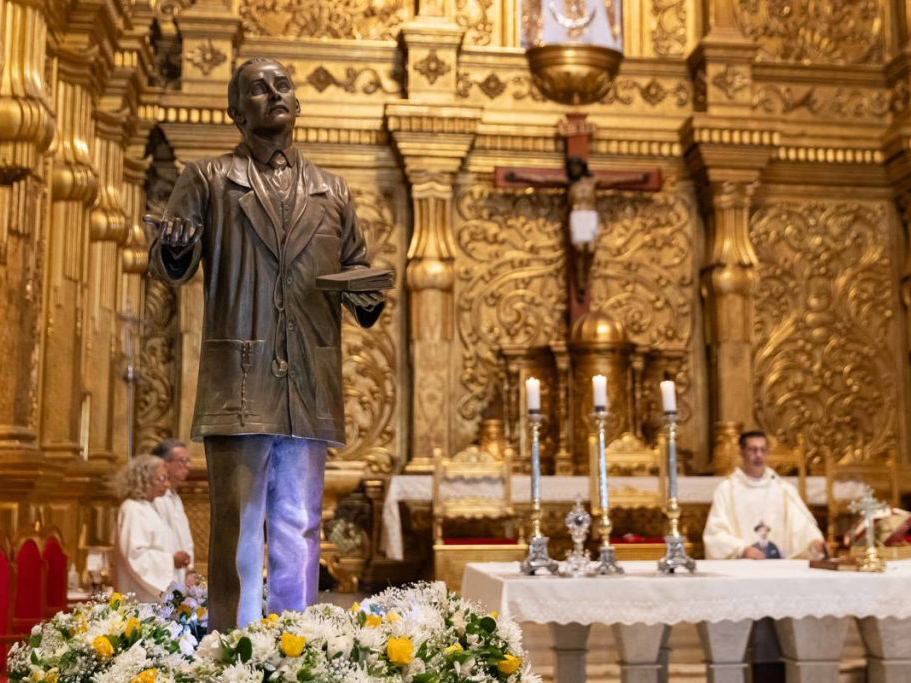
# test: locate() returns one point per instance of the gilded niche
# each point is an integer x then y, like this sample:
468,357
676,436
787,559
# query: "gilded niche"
369,356
815,31
825,347
355,19
510,283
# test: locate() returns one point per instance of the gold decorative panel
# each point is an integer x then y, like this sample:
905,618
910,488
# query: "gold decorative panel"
643,278
816,31
357,19
825,340
369,356
510,285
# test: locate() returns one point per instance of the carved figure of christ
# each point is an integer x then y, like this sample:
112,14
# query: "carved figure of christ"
582,225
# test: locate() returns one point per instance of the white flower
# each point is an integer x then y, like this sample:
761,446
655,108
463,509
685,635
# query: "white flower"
241,673
341,643
187,644
264,647
210,647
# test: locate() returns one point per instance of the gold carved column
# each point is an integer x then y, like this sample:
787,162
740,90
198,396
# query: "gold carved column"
726,149
433,140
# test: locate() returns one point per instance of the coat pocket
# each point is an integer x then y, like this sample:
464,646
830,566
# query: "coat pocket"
228,372
329,401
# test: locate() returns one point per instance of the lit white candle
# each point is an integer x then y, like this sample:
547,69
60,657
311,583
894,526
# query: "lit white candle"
599,389
669,396
532,394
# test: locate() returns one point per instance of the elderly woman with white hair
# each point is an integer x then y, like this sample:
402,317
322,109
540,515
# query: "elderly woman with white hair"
145,560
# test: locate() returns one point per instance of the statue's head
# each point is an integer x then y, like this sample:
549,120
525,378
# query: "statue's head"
576,167
261,98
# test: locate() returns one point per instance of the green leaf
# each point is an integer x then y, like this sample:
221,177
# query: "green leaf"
34,641
488,624
426,677
244,649
34,658
304,675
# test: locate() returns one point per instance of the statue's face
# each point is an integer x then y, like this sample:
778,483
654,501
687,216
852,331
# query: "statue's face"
267,103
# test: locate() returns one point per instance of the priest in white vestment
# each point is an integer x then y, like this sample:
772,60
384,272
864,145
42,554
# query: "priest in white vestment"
754,507
169,506
145,559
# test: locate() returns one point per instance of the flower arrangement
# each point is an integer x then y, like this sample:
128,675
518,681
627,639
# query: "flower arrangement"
187,605
419,634
107,640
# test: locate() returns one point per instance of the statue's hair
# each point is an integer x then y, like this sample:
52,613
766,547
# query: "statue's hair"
751,434
234,83
135,478
165,449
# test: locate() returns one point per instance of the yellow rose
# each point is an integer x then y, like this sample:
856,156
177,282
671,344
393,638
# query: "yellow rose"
400,651
185,610
201,613
81,624
373,620
392,617
456,647
146,676
103,647
292,645
271,619
355,607
115,599
493,614
130,628
509,664
52,675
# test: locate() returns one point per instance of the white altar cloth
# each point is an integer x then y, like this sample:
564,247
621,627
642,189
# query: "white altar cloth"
721,590
417,487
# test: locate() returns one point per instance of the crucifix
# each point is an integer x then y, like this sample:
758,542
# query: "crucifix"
581,185
869,508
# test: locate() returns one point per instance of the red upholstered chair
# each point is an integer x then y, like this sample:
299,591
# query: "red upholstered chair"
7,594
31,584
56,561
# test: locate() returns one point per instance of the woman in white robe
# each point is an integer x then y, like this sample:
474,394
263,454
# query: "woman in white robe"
144,560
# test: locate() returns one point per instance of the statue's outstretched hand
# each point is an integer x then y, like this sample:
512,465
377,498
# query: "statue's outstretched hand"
175,231
366,300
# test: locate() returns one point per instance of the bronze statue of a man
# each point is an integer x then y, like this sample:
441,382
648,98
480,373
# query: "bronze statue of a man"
265,222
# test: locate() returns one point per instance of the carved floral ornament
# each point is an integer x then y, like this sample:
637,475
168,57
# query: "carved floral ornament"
824,335
206,57
815,31
432,67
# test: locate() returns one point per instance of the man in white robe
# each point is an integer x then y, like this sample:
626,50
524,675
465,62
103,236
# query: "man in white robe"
754,497
169,506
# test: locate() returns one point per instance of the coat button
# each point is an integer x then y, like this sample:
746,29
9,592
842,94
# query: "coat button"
290,325
288,280
291,373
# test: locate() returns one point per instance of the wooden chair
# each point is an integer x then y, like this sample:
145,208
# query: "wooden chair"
485,483
856,466
789,462
31,585
57,563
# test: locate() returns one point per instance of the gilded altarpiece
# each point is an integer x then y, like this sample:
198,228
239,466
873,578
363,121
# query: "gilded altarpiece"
743,104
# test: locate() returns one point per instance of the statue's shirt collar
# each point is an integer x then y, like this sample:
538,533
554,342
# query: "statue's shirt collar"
264,150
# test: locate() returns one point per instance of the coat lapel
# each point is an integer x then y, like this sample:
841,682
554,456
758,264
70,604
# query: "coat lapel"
308,209
259,211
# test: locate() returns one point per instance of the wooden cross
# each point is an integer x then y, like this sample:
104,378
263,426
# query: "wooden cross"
578,134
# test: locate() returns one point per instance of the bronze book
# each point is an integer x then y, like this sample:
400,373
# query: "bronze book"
357,280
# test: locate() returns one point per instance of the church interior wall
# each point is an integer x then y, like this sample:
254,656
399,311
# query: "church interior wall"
784,158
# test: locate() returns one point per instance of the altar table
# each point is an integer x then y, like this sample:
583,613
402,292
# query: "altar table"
810,608
691,489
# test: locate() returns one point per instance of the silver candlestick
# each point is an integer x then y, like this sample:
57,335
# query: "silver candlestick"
537,558
675,553
607,561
